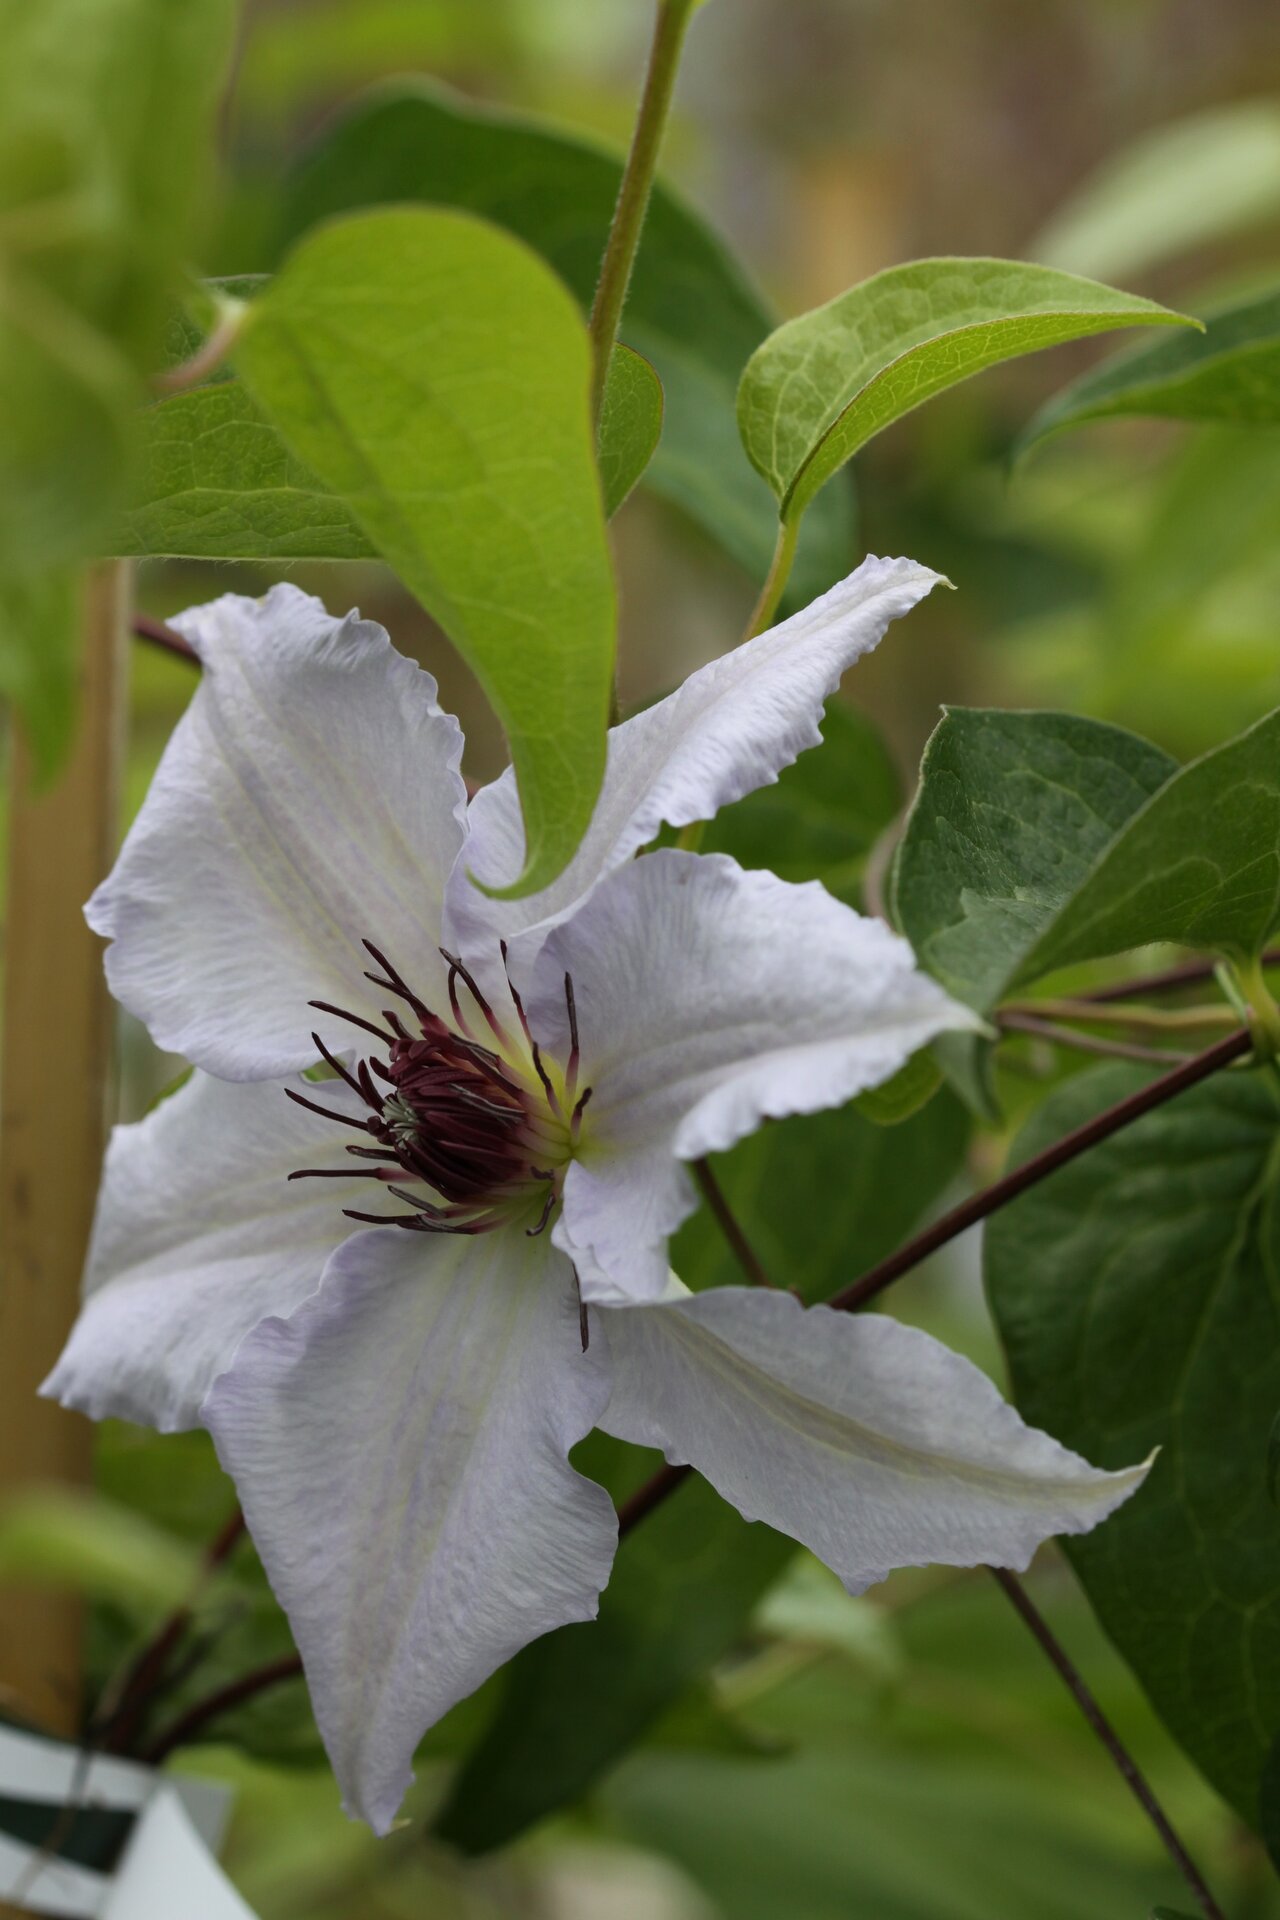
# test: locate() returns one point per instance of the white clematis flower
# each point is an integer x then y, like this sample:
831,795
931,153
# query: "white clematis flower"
396,1355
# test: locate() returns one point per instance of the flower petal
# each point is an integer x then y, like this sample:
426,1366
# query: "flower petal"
399,1446
730,728
866,1440
707,998
199,1233
309,799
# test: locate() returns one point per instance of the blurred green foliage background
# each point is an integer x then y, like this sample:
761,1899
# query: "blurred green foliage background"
908,1756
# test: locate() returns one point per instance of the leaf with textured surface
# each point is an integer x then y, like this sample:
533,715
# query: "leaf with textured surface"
1199,865
690,310
688,1578
217,482
824,383
1230,372
630,424
434,374
1012,812
1136,1294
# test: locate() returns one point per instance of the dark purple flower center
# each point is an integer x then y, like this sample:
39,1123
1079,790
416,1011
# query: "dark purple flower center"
486,1128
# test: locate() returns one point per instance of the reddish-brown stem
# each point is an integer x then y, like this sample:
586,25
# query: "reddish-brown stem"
1123,1759
288,1667
149,1669
1185,975
980,1205
160,635
723,1214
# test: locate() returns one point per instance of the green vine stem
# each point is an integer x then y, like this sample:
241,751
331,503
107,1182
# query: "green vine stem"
637,182
776,580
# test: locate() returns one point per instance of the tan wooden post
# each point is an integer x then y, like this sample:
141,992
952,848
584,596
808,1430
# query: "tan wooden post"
54,1076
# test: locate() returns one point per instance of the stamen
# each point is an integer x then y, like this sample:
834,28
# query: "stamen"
459,1016
456,966
350,1078
326,1113
409,1220
357,1020
571,1070
584,1325
395,982
575,1123
334,1173
516,1001
531,1233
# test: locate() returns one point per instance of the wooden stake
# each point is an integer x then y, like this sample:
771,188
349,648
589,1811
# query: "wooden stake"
54,1076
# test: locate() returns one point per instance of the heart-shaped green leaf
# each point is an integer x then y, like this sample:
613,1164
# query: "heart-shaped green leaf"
1199,864
824,383
1012,812
433,373
1135,1291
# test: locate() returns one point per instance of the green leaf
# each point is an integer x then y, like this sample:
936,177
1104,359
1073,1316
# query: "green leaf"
434,374
910,1088
92,229
1196,181
1230,372
824,383
690,310
630,424
824,815
1199,864
1135,1291
817,1197
217,482
1012,812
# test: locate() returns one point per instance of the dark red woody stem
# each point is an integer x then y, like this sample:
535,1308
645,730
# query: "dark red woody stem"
160,635
1123,1759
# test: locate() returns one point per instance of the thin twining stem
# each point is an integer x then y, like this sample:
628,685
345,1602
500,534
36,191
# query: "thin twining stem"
1124,1761
637,183
149,1671
1104,1014
166,637
1187,974
724,1217
980,1205
247,1687
1014,1020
